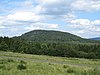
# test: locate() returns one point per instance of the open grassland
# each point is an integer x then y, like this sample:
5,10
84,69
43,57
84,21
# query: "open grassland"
26,64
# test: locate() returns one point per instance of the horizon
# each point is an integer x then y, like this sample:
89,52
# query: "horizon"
78,17
48,30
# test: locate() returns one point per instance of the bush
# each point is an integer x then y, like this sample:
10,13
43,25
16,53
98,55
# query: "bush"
21,65
65,66
10,60
85,73
22,62
2,67
70,70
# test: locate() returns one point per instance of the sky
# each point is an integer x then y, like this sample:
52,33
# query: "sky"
79,17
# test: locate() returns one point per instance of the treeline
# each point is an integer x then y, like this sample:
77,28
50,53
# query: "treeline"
79,50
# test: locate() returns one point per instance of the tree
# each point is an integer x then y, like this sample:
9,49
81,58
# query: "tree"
4,46
91,55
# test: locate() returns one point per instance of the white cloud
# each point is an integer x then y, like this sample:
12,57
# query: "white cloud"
86,5
27,3
14,29
25,19
52,25
41,26
97,22
52,2
54,7
69,17
39,9
82,22
32,28
24,16
85,27
63,7
81,31
2,27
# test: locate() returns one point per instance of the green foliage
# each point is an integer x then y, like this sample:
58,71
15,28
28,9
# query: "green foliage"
60,44
46,65
2,67
3,46
65,66
10,60
23,62
52,36
21,65
70,70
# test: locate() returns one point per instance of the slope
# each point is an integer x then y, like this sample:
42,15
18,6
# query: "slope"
52,36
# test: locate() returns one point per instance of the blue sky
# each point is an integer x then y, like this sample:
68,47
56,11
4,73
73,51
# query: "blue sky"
79,17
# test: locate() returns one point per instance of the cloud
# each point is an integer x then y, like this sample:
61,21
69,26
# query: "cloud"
42,26
54,7
2,27
63,7
97,22
81,22
28,3
24,16
84,27
20,22
85,22
54,2
86,5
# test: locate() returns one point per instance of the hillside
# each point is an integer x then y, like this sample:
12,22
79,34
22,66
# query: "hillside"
52,36
52,43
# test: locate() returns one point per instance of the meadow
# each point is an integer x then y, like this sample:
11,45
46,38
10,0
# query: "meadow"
26,64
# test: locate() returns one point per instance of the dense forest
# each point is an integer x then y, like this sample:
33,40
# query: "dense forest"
53,36
79,50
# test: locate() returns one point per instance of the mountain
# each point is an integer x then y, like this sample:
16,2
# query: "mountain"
97,38
51,36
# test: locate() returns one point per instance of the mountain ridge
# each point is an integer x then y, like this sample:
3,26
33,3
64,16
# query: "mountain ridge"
52,36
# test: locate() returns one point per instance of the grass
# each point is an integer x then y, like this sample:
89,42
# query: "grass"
10,64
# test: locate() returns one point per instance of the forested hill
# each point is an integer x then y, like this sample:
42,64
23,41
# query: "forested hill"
52,43
52,36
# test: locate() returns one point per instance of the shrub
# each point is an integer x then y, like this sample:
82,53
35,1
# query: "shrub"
65,66
70,70
10,60
2,67
22,62
21,65
50,64
85,73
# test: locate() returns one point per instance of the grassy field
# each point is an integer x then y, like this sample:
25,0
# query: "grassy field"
25,64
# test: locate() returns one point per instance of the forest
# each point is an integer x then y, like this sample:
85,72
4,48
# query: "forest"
77,50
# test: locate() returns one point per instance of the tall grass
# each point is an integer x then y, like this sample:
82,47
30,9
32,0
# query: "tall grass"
20,67
73,66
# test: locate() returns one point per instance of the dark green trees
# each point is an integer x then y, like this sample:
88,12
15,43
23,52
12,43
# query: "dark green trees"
79,50
4,46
